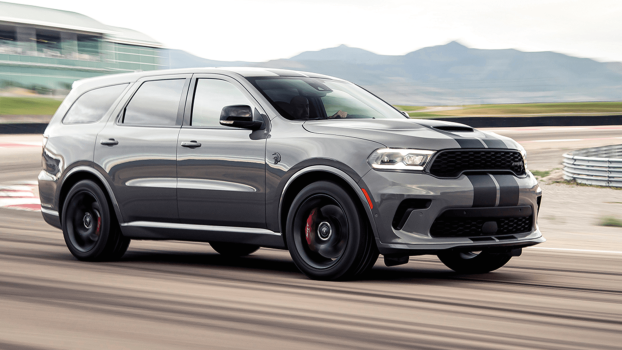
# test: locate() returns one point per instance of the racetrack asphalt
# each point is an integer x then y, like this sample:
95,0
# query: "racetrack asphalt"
172,295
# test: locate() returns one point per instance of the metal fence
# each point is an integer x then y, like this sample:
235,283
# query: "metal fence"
601,166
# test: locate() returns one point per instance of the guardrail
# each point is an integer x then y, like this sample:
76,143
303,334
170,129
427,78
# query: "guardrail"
601,166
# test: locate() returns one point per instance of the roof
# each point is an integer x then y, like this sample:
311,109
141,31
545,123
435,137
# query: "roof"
47,17
91,83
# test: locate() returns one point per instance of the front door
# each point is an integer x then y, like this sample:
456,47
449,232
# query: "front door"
137,150
220,169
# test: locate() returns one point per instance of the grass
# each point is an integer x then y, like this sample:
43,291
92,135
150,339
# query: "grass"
610,221
28,106
577,184
409,108
522,109
541,173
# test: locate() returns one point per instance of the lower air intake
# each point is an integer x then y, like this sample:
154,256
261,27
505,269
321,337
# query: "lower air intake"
472,227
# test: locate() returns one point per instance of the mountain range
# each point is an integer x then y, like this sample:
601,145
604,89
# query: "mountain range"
450,74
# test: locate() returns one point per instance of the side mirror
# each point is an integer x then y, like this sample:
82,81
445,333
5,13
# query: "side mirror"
239,117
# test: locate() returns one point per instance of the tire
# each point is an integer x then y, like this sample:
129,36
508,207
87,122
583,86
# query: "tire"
328,235
234,249
471,262
90,227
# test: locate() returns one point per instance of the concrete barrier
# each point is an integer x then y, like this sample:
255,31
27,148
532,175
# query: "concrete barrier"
23,128
515,122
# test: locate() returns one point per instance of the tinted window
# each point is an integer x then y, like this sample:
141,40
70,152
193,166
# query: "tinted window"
91,106
310,98
211,95
155,103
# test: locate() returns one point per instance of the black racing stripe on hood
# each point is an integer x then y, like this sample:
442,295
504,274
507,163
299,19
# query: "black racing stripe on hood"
468,143
509,190
484,190
494,143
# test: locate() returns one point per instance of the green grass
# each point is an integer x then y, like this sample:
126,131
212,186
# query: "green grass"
610,221
576,184
525,109
28,106
409,108
541,173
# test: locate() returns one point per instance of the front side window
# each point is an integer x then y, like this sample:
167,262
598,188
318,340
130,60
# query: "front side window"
155,103
210,96
93,105
311,98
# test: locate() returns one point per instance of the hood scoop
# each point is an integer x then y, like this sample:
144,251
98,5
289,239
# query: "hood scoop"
453,128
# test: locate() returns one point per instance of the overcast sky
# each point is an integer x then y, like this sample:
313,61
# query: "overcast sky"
260,30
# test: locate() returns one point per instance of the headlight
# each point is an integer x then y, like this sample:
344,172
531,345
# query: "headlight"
399,159
524,154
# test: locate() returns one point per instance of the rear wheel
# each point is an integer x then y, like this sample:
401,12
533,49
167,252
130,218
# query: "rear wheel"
474,262
90,228
327,235
234,249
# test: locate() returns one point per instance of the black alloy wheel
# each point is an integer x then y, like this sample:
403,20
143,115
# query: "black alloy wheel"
84,221
469,262
90,228
327,233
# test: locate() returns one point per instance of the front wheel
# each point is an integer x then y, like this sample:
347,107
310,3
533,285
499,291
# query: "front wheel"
327,234
474,262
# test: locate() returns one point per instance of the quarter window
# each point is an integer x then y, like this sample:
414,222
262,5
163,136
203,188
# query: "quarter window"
93,105
210,96
155,103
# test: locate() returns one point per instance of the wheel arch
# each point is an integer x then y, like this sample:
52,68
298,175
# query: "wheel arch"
308,175
80,173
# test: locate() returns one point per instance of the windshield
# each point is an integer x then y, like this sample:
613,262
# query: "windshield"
310,98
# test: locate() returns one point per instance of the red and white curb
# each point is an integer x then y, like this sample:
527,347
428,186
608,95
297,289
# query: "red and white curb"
21,196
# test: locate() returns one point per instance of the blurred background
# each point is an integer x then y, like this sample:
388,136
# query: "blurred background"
417,53
547,73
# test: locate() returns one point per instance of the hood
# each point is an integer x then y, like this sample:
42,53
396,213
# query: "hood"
412,133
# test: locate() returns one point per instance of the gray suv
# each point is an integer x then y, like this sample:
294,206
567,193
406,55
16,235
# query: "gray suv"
245,158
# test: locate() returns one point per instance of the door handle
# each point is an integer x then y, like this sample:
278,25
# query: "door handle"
191,144
110,142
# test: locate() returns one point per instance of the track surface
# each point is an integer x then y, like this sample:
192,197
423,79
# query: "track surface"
167,295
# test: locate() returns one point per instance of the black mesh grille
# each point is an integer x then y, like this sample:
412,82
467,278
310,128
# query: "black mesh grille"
452,163
472,227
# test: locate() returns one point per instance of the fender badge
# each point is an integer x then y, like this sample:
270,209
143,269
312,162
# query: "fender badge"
277,157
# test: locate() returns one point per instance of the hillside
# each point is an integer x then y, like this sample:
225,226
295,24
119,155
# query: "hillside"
454,74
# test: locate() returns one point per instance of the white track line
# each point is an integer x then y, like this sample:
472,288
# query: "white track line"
579,250
572,140
558,140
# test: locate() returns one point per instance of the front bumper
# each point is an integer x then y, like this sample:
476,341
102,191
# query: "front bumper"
47,190
388,189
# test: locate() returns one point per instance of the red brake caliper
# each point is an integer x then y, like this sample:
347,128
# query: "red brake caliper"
99,225
309,227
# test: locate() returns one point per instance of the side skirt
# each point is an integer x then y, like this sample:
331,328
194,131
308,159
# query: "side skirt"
202,233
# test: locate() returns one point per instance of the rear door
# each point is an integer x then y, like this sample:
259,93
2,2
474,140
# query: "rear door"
137,149
220,169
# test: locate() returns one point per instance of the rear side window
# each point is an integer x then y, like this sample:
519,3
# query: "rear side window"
210,96
93,105
155,103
